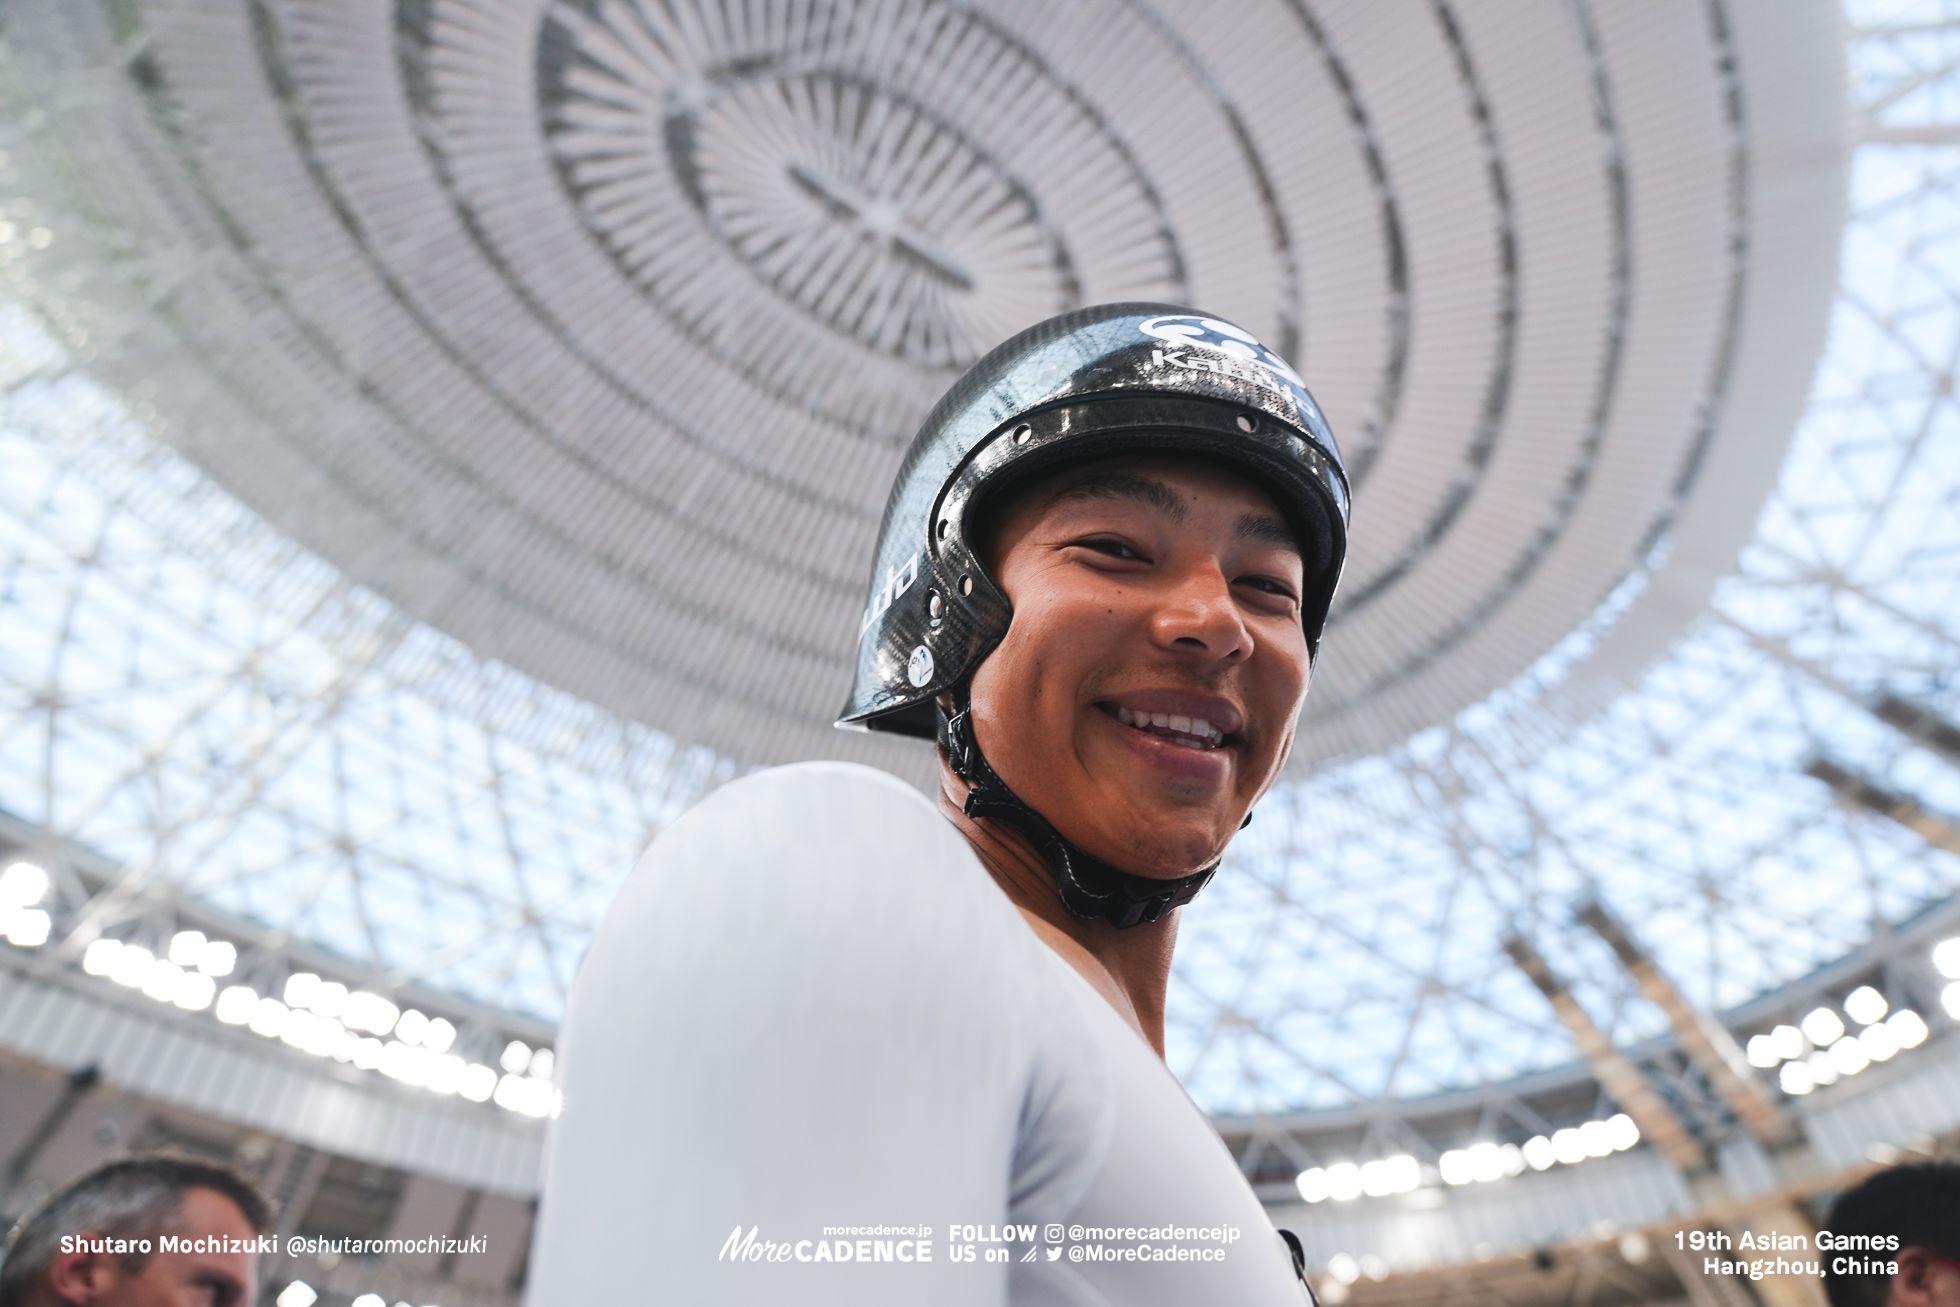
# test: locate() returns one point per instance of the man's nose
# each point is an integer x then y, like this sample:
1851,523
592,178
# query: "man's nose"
1199,616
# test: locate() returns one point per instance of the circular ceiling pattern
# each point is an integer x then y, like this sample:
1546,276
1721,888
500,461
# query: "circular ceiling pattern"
592,332
831,180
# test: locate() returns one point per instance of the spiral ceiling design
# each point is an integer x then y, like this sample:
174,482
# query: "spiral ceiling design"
590,332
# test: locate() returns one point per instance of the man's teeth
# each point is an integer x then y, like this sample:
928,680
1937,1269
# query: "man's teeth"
1196,727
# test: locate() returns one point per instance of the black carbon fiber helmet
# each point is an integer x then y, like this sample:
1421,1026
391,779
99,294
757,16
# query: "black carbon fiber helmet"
1115,379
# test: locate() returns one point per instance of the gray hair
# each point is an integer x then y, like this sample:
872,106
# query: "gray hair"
138,1197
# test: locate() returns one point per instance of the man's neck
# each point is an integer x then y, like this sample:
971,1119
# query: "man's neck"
1130,968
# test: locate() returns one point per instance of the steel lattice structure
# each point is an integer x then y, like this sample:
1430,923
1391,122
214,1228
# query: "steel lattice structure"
200,699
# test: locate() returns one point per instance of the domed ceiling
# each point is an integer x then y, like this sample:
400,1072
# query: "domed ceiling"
592,332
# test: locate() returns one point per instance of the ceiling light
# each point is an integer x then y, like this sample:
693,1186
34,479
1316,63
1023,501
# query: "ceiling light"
517,1056
368,1054
1822,1027
446,1073
1597,1137
1486,1161
195,991
1513,1159
132,966
99,958
412,1026
1623,1131
22,885
479,1082
1946,958
1455,1167
1403,1171
297,1294
1795,1079
25,927
542,1064
1879,1041
369,1300
296,1027
1865,1005
1344,1268
187,946
1908,1027
1849,1056
1374,1267
1790,1043
237,1004
439,1036
322,1035
161,983
329,1000
1762,1052
1312,1184
1538,1153
1343,1181
537,1098
1567,1146
219,957
268,1017
1950,1000
370,1012
301,986
1822,1070
406,1062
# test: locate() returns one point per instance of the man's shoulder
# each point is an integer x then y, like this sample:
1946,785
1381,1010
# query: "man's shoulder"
812,801
828,829
799,785
822,872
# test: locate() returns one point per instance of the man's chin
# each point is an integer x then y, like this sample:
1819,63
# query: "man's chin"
1166,848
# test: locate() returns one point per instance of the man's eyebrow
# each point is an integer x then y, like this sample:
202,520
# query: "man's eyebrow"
1265,529
1126,485
1256,527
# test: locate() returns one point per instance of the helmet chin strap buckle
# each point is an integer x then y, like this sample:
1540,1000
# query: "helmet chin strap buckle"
1088,886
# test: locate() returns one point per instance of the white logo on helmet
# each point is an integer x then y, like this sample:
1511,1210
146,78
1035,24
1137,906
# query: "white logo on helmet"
897,582
918,668
1216,338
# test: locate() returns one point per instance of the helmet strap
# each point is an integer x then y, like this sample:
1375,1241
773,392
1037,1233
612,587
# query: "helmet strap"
1089,887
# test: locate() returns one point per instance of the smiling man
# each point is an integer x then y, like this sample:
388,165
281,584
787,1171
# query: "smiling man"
1147,688
832,1045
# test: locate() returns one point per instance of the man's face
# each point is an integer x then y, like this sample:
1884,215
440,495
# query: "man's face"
169,1279
1924,1279
1146,692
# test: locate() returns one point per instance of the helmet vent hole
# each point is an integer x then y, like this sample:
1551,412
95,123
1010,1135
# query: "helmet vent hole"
1248,423
966,585
945,525
1021,433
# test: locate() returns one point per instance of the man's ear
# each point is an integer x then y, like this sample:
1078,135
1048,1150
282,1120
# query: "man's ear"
1912,1283
81,1277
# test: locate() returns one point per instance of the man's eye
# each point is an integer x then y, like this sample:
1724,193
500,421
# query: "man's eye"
1267,584
1113,548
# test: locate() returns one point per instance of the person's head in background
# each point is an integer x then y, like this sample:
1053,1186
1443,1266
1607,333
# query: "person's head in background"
1919,1206
133,1199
